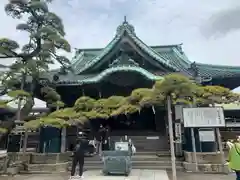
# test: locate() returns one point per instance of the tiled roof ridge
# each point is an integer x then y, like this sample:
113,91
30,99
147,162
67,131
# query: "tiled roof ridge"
216,66
152,46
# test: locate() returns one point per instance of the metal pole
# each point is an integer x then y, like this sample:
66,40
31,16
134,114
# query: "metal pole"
220,147
170,129
194,148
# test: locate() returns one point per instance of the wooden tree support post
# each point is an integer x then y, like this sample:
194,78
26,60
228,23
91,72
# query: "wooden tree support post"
219,139
63,139
170,129
194,149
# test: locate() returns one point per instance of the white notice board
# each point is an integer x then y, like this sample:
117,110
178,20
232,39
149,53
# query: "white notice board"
203,117
207,136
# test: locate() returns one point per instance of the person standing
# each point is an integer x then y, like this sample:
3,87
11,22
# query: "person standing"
102,135
78,157
106,138
234,158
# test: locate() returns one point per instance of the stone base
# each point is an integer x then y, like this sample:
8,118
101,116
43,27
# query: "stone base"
47,168
203,157
41,158
206,168
13,170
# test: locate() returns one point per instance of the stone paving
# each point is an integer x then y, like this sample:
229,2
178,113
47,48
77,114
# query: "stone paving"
135,175
97,175
201,176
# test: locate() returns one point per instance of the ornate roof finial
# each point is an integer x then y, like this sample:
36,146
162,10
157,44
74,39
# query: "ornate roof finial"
125,19
125,25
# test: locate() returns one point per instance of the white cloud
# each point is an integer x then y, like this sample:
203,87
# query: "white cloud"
93,24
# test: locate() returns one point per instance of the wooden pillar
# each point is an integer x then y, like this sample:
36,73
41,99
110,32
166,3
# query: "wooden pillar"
159,119
83,93
99,94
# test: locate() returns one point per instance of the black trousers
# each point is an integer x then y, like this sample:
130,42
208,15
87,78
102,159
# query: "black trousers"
80,161
238,175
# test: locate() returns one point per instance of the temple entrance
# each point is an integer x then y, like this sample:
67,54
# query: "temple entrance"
147,130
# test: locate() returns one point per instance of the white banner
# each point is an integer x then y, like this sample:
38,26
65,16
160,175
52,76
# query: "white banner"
203,117
207,136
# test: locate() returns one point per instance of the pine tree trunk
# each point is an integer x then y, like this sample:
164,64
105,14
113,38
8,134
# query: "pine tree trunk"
20,99
25,140
63,137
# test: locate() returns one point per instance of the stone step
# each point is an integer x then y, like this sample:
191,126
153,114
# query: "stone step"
160,153
143,165
139,138
178,168
139,163
86,168
136,166
133,133
137,158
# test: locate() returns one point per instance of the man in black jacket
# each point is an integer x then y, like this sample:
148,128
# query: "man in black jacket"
78,156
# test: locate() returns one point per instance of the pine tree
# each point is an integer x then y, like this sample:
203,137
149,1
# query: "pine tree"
46,38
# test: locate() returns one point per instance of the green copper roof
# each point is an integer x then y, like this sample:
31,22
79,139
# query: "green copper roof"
171,57
209,70
93,78
82,63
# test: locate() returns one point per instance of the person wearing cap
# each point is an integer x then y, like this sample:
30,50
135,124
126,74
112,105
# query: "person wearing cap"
78,156
234,157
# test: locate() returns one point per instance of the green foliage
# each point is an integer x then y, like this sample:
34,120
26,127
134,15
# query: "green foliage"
126,109
18,94
54,122
66,113
46,37
33,124
233,97
69,115
58,104
46,121
180,88
84,104
93,114
175,85
138,95
145,97
45,28
214,94
3,103
51,96
115,102
3,130
9,80
6,44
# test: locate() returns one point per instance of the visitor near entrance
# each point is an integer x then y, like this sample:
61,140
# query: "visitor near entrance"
234,157
131,147
100,136
78,157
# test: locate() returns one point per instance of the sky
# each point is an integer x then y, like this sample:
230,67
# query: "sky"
208,29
